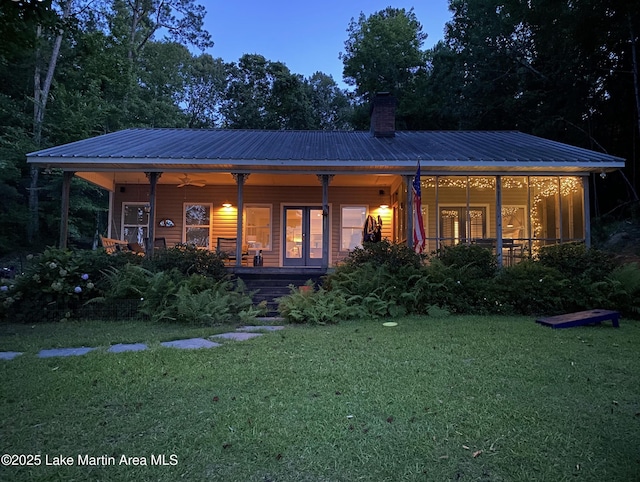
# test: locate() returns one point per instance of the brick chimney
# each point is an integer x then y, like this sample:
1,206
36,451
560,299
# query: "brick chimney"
383,115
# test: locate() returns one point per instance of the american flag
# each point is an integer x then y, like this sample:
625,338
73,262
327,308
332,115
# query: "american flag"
418,225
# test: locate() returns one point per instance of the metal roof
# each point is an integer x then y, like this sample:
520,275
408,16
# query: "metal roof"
342,150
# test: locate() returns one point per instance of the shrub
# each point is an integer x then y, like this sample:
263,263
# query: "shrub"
575,260
384,253
197,300
623,290
477,261
187,260
53,286
532,288
317,307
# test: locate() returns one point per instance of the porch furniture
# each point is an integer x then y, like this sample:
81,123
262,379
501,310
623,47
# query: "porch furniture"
228,248
160,243
510,247
136,248
581,318
112,246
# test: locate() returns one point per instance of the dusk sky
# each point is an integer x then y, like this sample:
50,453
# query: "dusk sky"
306,36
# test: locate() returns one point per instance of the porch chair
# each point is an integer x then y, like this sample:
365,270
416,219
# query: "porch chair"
227,248
160,243
112,246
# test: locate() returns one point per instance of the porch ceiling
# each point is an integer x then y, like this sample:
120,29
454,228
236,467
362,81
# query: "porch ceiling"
110,179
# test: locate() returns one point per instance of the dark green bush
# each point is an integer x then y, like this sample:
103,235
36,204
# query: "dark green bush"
576,260
58,283
54,285
187,260
198,300
317,307
621,292
384,253
532,288
476,261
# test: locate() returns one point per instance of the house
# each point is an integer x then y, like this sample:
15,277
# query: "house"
301,198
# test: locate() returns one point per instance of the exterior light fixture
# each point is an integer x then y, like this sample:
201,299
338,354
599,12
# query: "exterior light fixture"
226,204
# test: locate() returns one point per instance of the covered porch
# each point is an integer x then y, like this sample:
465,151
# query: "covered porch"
301,199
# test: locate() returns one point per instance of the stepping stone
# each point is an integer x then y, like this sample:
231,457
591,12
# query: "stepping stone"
122,347
237,336
9,355
190,344
259,328
64,352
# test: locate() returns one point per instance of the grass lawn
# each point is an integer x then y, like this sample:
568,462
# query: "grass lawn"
457,398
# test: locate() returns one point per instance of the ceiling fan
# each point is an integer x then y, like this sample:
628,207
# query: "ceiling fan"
187,181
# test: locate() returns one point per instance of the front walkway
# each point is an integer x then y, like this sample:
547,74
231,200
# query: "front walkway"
241,334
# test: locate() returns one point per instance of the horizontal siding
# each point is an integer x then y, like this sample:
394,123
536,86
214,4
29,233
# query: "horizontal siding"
170,202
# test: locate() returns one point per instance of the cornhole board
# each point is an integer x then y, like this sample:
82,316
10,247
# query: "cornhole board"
581,318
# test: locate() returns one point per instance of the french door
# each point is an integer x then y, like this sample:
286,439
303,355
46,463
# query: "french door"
302,236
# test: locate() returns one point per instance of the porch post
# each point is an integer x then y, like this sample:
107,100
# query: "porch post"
110,213
151,233
325,221
586,211
499,219
64,208
410,207
240,178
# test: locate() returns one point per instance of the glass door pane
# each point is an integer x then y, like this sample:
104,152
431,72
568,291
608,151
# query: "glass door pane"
293,234
315,234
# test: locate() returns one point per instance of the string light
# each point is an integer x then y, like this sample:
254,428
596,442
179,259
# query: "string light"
541,189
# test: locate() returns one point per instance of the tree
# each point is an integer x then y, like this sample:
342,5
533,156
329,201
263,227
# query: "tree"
203,92
330,105
262,94
383,52
558,69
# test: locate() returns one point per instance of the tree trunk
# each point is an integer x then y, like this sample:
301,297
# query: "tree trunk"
636,87
40,96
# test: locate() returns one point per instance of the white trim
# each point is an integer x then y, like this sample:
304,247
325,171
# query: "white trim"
367,211
302,205
487,208
122,223
184,222
246,224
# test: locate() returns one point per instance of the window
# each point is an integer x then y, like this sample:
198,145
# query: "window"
257,222
459,225
135,222
197,225
352,223
514,222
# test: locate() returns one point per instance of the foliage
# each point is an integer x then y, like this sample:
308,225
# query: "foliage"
477,261
197,300
622,290
171,285
187,260
384,253
576,260
532,288
316,307
383,52
53,286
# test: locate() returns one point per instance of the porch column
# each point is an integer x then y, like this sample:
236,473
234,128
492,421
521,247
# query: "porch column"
499,219
410,207
240,179
586,211
325,220
64,208
151,233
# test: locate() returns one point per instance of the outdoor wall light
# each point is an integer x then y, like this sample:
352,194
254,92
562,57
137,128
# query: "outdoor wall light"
226,204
